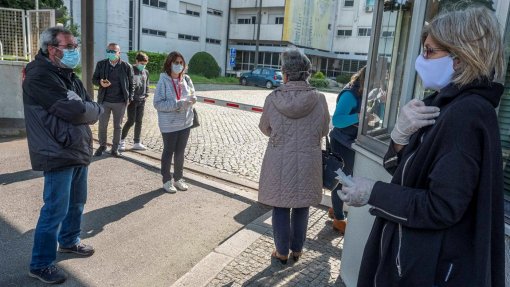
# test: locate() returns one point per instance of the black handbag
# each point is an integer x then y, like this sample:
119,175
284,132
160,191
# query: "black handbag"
196,123
331,162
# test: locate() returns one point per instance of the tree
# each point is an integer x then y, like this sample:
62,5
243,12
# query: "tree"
203,63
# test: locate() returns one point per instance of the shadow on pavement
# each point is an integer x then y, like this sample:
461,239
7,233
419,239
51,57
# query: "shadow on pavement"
13,177
16,251
95,220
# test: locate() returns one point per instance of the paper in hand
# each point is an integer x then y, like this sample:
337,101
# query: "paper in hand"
344,179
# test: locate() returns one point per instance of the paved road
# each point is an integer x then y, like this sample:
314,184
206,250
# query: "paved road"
142,235
228,140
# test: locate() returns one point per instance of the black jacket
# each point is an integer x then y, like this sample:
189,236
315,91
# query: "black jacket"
58,131
440,221
125,75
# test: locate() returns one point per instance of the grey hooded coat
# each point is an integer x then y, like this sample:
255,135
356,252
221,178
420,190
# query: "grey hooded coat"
295,119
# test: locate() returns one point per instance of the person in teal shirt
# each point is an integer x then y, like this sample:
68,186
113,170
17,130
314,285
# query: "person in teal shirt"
345,129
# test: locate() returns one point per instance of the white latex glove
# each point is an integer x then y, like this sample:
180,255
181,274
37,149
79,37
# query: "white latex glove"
73,96
413,116
358,193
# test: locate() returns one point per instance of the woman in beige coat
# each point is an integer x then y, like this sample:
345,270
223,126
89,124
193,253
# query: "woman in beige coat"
295,119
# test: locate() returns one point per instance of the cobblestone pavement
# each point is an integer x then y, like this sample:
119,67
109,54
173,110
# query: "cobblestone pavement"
319,265
227,140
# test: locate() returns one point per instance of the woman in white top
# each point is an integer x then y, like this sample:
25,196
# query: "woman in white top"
173,99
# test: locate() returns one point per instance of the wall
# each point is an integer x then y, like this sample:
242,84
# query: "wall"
360,221
11,98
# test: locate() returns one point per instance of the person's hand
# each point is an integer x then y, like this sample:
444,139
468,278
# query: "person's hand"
357,192
183,104
72,96
413,116
105,83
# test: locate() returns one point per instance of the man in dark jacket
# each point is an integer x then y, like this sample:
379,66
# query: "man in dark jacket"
115,80
58,112
136,108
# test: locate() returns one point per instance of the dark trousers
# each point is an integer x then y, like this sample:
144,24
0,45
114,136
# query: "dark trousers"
134,116
348,156
289,228
174,144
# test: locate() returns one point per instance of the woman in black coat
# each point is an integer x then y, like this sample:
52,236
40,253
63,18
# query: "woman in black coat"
440,222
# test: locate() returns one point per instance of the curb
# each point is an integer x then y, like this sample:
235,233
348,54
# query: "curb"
205,270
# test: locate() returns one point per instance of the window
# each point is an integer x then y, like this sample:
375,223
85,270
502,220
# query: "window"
155,3
365,32
193,13
188,37
212,41
344,33
278,20
360,54
189,9
342,53
257,71
348,3
214,12
387,34
153,32
244,21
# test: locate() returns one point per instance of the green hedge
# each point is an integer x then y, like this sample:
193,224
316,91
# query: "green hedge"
156,61
344,78
318,83
203,63
318,75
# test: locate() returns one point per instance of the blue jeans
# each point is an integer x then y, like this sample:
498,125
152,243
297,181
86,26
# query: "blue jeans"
348,157
65,194
289,231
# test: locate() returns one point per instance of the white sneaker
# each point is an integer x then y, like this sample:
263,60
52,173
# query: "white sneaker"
169,186
122,145
180,185
139,146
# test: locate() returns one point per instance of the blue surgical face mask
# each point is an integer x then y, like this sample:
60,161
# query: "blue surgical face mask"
71,58
435,74
140,67
112,56
177,68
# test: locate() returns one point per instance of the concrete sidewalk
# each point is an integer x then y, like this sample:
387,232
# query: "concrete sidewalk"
215,234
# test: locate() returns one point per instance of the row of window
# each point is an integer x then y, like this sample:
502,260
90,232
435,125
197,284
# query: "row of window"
363,32
213,41
188,37
153,32
186,8
155,3
253,20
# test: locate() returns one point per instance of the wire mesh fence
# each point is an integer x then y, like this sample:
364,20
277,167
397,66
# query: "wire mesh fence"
38,21
20,30
13,44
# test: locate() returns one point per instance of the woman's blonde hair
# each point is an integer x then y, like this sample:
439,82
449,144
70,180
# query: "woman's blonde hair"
473,36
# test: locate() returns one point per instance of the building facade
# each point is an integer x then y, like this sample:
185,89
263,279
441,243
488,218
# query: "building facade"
334,34
159,26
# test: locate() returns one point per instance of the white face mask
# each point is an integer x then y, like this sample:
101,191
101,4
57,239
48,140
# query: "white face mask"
434,73
177,68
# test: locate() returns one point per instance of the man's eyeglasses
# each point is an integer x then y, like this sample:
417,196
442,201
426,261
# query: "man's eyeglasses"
68,47
428,51
111,51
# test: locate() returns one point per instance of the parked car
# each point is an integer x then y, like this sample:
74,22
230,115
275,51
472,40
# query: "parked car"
263,77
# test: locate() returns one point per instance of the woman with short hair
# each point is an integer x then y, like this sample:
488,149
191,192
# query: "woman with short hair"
295,119
440,220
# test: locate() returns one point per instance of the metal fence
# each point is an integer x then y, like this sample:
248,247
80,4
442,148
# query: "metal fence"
20,30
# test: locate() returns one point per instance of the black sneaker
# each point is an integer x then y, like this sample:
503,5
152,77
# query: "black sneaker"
51,274
115,153
80,249
99,151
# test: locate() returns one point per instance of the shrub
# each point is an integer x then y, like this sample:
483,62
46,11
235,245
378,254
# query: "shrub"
318,75
318,83
202,63
156,61
344,78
